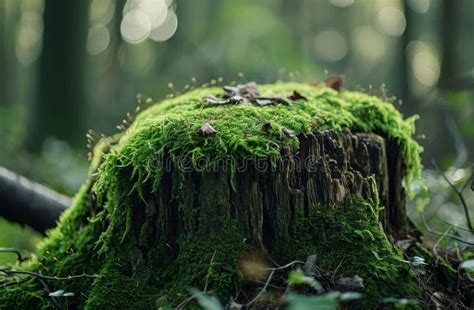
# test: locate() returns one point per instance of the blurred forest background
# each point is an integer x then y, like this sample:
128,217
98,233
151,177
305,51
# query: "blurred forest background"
67,66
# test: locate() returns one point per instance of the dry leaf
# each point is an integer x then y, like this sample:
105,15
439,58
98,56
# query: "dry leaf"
350,284
297,96
248,91
266,127
206,130
334,82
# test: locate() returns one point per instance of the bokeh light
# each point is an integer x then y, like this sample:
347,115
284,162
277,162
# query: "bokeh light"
368,43
419,6
101,11
167,29
98,39
135,26
148,18
330,45
28,37
424,63
341,3
391,21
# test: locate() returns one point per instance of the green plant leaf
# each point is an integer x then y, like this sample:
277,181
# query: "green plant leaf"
299,278
57,293
206,301
328,301
346,296
467,265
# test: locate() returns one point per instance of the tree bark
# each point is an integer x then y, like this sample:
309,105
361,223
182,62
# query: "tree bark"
329,169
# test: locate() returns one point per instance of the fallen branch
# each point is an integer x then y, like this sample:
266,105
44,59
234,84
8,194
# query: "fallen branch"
29,203
20,257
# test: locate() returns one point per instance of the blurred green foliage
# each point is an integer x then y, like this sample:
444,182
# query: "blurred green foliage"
23,239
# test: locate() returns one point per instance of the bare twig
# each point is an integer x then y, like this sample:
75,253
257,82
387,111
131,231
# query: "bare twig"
435,247
457,227
185,302
285,266
11,283
429,229
335,271
10,272
269,278
209,270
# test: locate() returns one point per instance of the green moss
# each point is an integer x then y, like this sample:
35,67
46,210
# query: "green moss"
204,263
171,126
112,229
350,240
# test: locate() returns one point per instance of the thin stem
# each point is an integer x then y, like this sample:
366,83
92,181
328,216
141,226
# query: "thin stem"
53,299
5,284
8,272
429,229
285,266
262,290
209,270
435,247
461,198
457,227
270,276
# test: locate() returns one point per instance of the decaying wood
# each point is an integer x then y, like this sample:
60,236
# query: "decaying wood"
265,202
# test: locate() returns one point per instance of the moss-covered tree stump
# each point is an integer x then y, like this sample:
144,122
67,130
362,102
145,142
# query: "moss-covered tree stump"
194,187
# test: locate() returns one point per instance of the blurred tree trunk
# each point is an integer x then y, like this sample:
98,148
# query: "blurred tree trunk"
440,115
405,65
3,88
8,12
59,108
449,38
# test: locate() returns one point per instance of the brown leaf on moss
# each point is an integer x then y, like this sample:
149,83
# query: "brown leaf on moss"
206,130
334,82
266,127
297,96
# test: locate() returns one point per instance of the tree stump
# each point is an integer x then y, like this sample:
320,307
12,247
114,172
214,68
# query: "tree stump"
197,190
